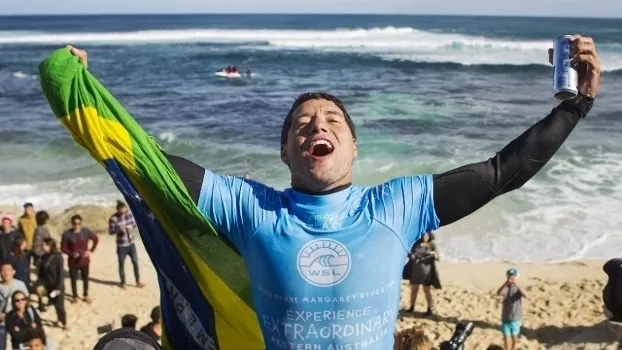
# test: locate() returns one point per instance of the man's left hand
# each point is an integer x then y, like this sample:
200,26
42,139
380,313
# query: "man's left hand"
587,64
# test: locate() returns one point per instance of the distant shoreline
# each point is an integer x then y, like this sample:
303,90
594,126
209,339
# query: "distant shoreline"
242,14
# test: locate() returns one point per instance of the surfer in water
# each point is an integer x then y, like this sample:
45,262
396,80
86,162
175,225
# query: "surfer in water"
336,250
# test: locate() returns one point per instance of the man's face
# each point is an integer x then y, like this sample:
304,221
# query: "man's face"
7,272
29,210
76,224
512,278
123,210
320,148
7,224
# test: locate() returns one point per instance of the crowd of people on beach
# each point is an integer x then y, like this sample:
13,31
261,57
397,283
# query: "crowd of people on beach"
27,248
421,271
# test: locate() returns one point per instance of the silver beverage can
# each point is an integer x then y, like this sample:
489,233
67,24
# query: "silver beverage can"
565,77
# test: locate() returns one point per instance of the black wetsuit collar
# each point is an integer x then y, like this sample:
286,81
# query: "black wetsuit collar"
323,193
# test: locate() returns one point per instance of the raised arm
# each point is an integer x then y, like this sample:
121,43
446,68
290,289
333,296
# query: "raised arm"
462,191
188,247
102,126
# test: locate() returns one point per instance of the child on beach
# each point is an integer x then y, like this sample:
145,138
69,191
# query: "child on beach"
512,311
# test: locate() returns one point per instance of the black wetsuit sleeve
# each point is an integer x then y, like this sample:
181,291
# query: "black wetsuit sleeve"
462,191
191,175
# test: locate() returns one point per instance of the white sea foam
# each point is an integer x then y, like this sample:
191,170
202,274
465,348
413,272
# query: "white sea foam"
570,211
388,42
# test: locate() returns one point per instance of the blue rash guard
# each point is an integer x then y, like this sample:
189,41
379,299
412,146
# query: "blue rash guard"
325,270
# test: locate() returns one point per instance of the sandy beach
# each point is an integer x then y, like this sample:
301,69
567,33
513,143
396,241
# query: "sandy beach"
563,309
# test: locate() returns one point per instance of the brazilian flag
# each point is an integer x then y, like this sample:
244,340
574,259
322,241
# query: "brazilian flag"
204,285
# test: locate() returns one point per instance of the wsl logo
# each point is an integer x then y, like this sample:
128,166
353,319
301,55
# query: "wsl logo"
324,262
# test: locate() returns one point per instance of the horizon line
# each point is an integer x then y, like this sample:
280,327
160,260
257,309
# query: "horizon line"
290,14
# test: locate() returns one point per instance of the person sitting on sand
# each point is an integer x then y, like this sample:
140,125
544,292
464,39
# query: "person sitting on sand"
51,279
154,328
20,319
75,243
421,271
122,224
8,287
512,311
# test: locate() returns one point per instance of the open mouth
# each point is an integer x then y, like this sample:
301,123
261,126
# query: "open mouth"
320,148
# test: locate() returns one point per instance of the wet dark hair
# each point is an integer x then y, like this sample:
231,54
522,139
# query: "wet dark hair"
42,217
302,98
121,205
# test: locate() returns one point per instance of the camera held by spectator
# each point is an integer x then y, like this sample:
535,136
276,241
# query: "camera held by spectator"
462,332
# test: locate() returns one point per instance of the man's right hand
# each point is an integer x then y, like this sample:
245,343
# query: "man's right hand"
2,316
81,54
76,255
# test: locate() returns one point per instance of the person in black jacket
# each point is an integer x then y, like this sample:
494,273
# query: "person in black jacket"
422,270
51,279
8,234
20,259
21,319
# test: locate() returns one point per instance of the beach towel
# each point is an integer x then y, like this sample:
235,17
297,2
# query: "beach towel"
205,290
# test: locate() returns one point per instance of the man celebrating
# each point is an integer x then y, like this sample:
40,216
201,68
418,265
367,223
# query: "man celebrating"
325,256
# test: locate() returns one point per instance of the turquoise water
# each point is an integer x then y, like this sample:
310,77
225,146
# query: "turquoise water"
427,94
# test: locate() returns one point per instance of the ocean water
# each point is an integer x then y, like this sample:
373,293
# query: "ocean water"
427,94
